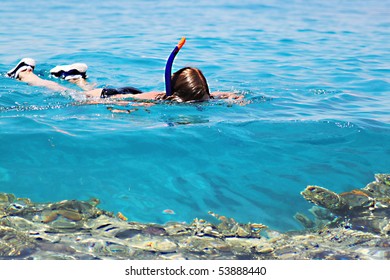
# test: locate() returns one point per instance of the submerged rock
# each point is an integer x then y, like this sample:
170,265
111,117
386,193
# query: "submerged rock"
304,220
366,209
15,243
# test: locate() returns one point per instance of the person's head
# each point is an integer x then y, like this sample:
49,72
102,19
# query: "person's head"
189,84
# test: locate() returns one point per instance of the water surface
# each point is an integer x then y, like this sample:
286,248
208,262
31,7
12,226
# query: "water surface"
316,75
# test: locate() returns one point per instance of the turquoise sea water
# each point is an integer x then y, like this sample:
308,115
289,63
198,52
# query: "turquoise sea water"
316,73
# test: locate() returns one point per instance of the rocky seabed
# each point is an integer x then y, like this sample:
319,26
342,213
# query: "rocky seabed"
352,225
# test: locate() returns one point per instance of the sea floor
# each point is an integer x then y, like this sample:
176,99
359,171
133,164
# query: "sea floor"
79,230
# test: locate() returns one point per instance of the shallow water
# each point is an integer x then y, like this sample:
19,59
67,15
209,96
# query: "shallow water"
316,74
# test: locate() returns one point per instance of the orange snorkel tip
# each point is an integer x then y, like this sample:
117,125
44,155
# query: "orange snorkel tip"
181,42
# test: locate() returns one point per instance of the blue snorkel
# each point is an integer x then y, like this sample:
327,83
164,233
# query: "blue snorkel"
168,67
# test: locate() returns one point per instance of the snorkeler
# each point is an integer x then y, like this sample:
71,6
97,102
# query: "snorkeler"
186,85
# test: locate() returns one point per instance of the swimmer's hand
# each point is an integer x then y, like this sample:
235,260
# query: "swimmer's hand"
226,95
113,110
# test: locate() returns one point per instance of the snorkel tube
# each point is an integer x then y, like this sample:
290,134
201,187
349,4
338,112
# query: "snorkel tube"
168,66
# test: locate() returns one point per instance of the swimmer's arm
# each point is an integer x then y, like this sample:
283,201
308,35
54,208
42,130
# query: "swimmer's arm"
226,95
109,101
153,94
139,96
144,96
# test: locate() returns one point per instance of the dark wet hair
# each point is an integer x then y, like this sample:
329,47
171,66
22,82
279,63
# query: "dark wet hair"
188,84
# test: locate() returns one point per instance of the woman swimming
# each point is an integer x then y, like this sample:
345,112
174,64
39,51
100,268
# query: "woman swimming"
186,85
